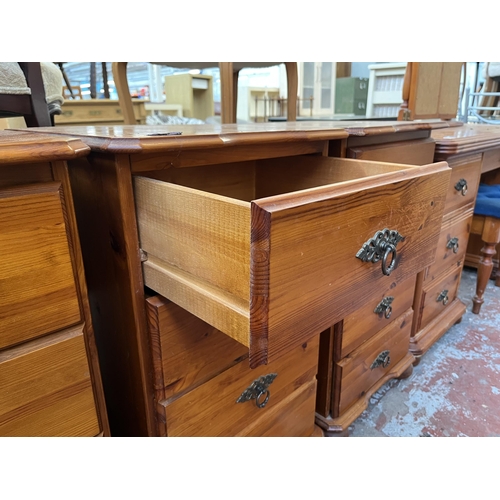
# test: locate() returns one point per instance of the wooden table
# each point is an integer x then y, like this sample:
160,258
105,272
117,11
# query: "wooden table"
218,257
49,371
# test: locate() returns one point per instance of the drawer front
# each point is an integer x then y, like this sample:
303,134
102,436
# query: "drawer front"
491,160
374,315
186,351
274,272
452,245
358,372
46,389
212,408
291,417
437,295
37,285
416,152
463,186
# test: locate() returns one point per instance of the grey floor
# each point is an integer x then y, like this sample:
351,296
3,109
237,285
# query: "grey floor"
455,389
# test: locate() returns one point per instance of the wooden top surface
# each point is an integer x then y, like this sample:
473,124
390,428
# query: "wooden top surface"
24,147
154,138
468,138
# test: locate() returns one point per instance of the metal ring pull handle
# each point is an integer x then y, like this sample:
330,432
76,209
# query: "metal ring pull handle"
383,360
461,185
390,249
381,247
259,402
443,297
453,243
384,307
258,390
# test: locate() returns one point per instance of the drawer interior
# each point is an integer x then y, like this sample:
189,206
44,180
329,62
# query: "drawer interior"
261,250
252,180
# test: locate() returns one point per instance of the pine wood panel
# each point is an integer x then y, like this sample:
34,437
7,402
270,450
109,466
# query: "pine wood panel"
430,307
37,291
470,170
414,152
491,160
364,322
212,410
291,417
14,175
433,89
31,145
354,372
186,351
167,217
104,206
46,388
175,222
459,227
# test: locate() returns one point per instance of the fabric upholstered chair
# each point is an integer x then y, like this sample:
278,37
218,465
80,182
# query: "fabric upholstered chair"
229,86
486,222
32,90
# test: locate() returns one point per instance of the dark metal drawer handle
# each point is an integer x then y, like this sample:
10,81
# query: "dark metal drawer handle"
453,243
461,185
258,390
383,360
381,247
384,307
443,297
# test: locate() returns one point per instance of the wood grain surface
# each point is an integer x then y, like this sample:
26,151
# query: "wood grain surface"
46,388
37,292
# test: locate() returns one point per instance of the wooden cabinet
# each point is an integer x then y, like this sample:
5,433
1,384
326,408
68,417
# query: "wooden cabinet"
51,383
437,306
317,88
218,255
193,92
100,112
369,346
203,381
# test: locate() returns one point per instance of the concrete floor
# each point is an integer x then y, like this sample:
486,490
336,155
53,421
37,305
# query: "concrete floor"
455,389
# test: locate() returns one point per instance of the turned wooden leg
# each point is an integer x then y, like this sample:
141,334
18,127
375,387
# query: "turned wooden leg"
490,237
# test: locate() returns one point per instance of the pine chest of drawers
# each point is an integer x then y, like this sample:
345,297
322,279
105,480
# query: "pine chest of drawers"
49,371
232,248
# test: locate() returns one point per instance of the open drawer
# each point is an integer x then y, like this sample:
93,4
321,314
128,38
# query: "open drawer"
301,243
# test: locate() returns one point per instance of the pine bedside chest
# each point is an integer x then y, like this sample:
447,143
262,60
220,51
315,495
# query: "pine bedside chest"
217,255
49,371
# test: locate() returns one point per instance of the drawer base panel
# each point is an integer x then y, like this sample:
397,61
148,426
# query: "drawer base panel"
423,340
341,423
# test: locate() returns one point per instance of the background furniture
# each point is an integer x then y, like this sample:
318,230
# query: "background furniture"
317,88
229,86
109,112
477,143
431,90
385,86
32,90
351,95
51,383
380,328
486,223
166,203
193,92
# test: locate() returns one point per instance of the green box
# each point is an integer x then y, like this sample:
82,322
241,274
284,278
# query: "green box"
351,94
